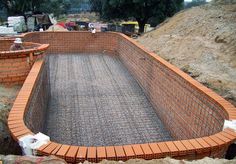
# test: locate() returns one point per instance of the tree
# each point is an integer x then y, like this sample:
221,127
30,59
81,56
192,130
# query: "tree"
19,7
141,10
96,5
57,7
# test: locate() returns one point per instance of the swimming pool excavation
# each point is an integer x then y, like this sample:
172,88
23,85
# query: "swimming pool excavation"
112,99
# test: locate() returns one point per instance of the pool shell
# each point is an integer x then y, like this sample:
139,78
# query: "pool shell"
95,101
15,65
192,113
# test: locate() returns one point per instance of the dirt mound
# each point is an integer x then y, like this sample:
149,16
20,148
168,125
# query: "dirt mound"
202,42
56,28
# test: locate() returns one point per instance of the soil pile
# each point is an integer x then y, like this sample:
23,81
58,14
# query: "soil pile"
202,42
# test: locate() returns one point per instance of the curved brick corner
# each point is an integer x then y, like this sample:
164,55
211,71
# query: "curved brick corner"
213,143
15,65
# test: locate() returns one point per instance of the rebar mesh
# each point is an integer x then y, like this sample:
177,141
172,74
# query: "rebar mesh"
95,101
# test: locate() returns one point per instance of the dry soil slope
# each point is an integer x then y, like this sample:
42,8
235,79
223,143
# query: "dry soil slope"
202,42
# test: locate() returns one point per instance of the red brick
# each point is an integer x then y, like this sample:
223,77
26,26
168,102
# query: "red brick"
92,154
49,149
110,151
71,154
138,151
164,149
156,150
41,148
82,154
204,144
196,145
211,142
62,151
120,154
181,148
101,153
129,151
172,148
147,151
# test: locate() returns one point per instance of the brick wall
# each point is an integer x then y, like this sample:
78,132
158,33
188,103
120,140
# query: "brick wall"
186,111
15,65
14,70
36,113
31,37
5,44
75,42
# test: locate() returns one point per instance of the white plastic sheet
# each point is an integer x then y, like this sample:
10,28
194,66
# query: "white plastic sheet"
230,124
30,143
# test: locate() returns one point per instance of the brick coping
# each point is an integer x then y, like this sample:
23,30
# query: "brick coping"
194,148
14,54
